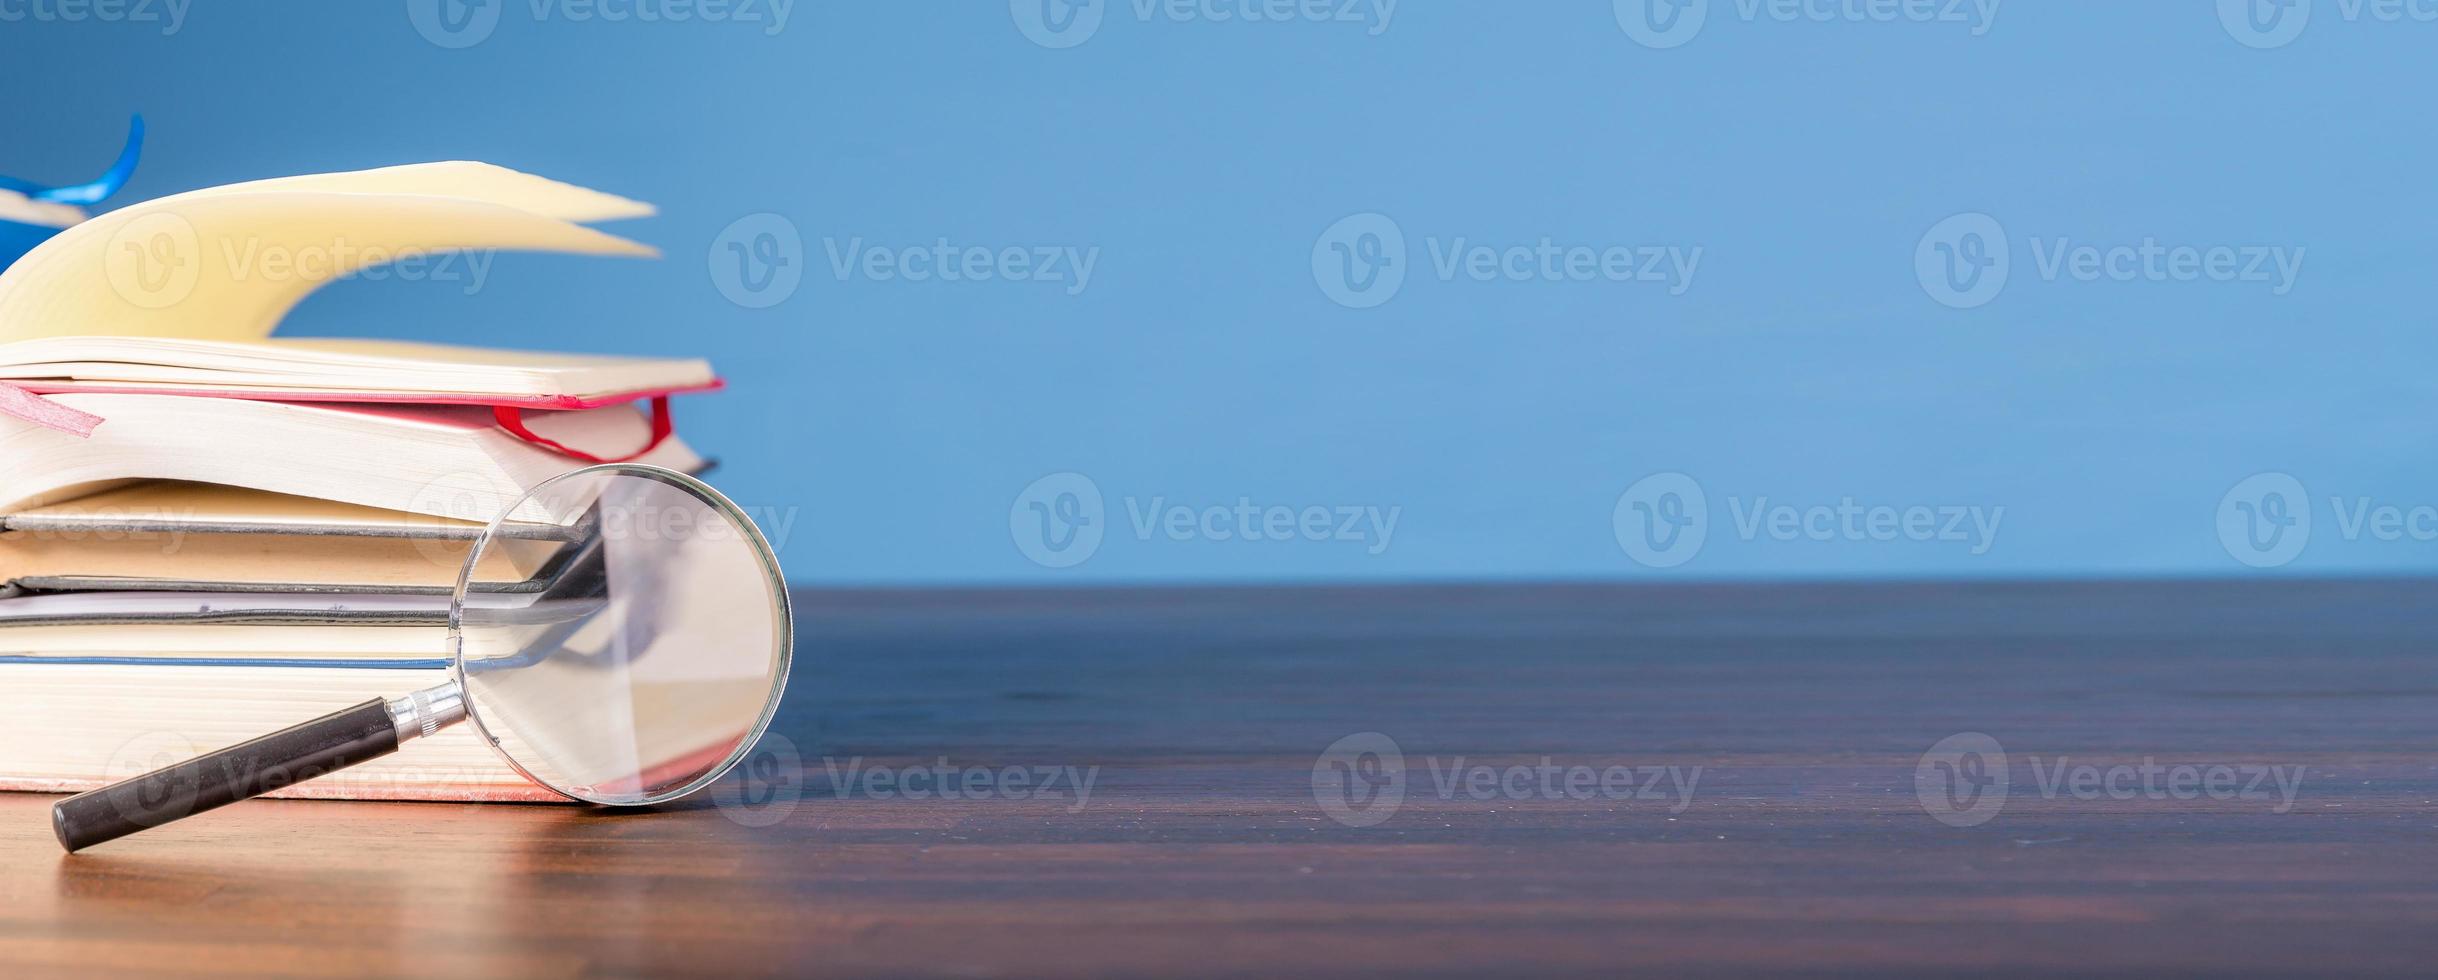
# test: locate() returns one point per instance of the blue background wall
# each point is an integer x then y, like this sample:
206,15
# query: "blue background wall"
900,427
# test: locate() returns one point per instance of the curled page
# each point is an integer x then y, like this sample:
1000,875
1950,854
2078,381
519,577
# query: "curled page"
459,179
228,263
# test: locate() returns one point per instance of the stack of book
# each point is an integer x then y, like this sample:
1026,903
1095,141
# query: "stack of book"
206,533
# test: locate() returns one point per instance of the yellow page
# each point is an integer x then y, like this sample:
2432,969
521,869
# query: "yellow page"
228,263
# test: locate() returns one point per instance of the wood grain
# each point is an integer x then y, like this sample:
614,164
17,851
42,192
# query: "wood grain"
1201,849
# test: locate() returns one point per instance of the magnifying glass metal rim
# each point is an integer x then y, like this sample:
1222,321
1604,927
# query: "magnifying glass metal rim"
783,615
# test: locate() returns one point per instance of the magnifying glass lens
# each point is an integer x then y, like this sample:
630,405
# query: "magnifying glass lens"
621,635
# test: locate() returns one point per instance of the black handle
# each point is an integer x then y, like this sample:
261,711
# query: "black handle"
248,769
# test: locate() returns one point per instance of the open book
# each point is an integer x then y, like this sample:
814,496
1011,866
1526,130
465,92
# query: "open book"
180,295
443,461
343,370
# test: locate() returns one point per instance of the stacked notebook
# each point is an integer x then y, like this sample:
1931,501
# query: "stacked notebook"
207,533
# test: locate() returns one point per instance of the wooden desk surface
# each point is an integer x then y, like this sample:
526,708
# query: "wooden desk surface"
1203,850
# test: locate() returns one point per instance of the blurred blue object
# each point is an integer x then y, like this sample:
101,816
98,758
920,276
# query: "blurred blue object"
22,228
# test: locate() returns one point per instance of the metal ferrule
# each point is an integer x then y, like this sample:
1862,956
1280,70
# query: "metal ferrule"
426,711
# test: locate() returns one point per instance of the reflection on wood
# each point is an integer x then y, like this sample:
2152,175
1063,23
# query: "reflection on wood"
1201,848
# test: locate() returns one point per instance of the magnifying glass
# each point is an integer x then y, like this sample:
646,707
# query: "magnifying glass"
620,635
